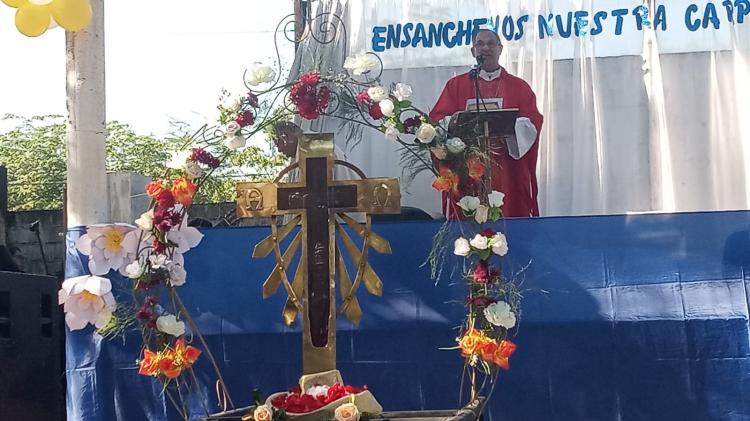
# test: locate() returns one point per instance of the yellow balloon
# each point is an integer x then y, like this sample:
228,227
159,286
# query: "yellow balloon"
72,15
15,3
32,20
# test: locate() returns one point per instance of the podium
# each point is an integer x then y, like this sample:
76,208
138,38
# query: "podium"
489,128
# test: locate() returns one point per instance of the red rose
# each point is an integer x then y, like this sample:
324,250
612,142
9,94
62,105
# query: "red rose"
488,232
375,111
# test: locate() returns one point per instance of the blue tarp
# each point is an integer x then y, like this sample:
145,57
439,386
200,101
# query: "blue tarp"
624,318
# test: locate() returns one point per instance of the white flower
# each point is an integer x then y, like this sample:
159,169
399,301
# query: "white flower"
177,274
500,314
425,133
86,299
146,221
134,270
360,63
192,170
234,142
158,261
178,159
481,215
386,107
455,145
231,104
259,73
496,198
170,325
319,390
402,91
461,247
347,412
479,242
377,93
499,244
391,132
263,413
184,236
231,128
103,243
469,203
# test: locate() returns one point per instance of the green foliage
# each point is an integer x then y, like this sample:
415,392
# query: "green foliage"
34,154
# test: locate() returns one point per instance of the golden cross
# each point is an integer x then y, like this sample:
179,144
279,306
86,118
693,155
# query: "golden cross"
319,203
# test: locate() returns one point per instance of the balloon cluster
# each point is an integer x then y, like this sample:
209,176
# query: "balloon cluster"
34,17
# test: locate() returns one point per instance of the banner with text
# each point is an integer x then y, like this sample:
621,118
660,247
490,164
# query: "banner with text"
424,33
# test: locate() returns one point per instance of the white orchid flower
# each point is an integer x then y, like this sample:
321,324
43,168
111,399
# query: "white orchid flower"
103,243
86,299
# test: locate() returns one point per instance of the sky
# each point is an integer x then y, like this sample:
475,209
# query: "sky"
165,60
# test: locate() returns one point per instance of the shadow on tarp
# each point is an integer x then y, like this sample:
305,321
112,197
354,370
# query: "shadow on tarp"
624,318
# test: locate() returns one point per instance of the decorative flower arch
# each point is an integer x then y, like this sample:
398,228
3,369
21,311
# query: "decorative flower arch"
150,253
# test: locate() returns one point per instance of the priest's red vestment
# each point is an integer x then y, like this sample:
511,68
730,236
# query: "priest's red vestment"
514,177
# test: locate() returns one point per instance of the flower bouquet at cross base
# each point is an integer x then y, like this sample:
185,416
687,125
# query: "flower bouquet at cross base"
320,397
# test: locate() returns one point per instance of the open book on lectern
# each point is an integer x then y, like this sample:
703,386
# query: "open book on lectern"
498,124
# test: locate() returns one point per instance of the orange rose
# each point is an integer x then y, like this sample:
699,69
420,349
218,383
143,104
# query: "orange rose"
154,188
149,364
471,342
183,191
503,352
475,167
447,181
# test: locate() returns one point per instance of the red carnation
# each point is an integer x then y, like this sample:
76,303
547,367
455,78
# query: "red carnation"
482,272
245,119
204,157
310,78
310,101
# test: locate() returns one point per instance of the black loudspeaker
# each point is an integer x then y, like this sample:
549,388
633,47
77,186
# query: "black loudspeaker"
31,348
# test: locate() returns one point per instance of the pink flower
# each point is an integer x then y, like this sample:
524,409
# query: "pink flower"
363,98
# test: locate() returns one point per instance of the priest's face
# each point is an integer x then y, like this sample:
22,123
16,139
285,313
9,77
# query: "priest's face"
487,44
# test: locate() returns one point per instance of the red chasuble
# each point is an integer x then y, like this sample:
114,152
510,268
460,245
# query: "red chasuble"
515,178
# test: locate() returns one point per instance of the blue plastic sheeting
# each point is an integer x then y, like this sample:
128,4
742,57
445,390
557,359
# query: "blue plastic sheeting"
624,318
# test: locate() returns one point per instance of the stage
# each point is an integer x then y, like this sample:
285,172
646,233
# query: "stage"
630,317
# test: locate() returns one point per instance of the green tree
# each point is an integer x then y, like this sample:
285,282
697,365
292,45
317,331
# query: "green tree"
34,153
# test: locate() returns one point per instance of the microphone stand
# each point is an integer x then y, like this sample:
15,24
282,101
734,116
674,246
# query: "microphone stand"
482,132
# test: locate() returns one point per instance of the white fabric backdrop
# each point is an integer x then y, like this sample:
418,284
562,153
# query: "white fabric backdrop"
637,133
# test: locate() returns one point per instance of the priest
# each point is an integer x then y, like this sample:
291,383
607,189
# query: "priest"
513,163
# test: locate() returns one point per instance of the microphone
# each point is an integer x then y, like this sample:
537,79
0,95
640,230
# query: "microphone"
480,59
